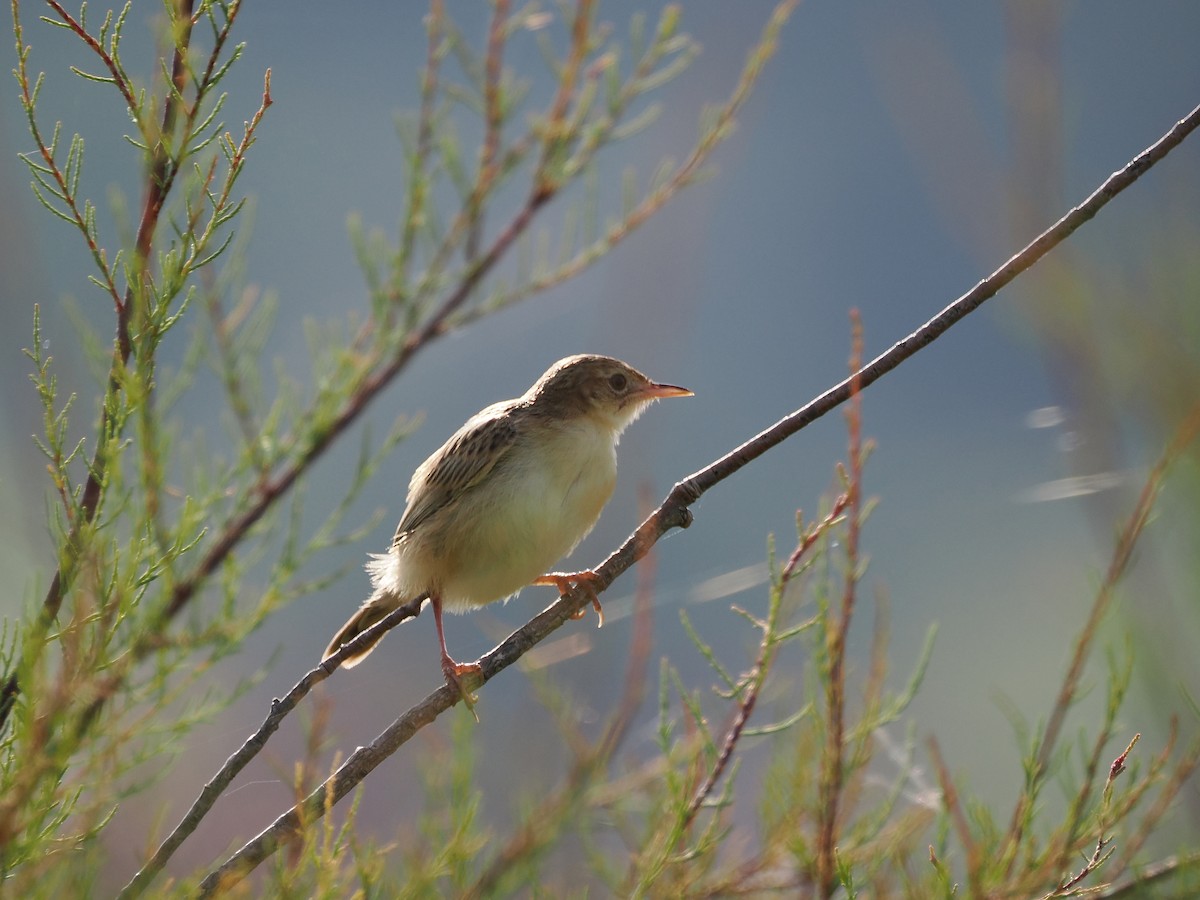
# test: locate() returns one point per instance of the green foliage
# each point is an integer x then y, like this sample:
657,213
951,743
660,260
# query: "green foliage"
155,532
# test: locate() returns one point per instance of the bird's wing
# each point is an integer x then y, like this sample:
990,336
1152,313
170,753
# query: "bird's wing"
462,462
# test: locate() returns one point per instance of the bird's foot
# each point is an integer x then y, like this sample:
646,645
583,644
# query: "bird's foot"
462,677
585,581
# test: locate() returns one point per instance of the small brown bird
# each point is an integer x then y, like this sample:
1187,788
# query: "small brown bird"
512,492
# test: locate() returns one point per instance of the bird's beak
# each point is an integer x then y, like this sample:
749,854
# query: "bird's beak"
659,391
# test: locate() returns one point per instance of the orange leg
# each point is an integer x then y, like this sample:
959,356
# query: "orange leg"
454,671
585,581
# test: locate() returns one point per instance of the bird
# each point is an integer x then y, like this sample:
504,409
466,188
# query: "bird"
513,491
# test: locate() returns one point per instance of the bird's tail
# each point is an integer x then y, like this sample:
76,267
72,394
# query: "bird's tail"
375,609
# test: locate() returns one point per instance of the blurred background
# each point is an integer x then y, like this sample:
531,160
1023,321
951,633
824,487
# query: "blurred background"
890,157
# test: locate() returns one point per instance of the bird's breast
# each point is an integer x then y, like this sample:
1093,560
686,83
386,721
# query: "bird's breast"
531,512
564,487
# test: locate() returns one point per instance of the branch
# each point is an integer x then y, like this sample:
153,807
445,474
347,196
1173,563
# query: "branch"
675,512
757,677
250,749
690,489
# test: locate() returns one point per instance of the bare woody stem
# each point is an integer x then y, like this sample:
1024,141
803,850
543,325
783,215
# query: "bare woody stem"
689,490
675,512
280,707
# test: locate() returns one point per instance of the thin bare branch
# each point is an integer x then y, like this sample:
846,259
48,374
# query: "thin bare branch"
256,742
691,488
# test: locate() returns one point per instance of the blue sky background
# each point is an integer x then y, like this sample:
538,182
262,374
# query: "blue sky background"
881,164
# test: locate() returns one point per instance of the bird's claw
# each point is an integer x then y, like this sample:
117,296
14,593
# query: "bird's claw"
459,676
585,581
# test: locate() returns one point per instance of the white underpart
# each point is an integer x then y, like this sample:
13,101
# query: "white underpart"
523,520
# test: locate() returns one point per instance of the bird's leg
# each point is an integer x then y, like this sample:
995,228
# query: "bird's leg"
454,671
585,581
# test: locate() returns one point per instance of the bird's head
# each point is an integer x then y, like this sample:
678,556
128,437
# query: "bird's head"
599,388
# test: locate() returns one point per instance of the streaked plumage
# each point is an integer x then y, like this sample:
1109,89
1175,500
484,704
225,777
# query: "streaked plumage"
508,495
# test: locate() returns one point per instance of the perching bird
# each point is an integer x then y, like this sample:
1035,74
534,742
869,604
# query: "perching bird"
512,492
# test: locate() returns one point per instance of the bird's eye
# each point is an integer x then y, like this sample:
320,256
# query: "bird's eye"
618,382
